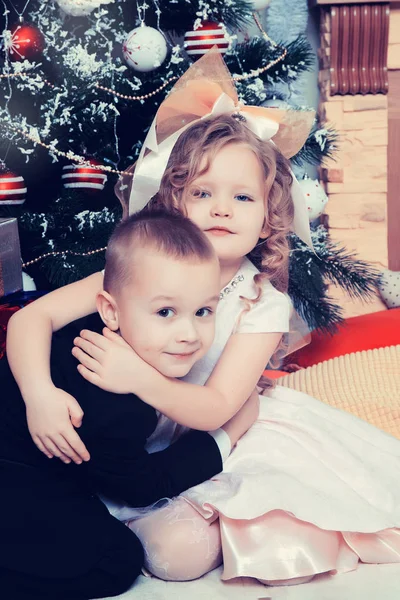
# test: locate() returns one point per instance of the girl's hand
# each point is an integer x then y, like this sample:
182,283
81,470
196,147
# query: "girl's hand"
52,415
107,361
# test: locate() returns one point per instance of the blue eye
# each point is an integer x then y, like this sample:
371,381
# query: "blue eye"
204,312
165,313
244,198
198,193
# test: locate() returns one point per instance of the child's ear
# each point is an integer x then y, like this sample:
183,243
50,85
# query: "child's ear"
265,231
108,311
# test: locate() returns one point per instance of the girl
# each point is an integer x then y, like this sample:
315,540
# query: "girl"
308,489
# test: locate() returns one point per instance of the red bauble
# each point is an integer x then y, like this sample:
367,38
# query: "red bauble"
205,37
27,42
12,188
84,177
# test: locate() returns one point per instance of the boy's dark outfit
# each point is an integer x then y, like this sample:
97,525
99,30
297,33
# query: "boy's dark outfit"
57,539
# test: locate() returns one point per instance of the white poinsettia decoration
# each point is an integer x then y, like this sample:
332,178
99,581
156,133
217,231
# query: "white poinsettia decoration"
81,62
80,8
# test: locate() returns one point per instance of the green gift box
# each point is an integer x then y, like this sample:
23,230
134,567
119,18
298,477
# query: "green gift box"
10,257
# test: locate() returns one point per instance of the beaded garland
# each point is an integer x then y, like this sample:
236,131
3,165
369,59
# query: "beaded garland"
63,253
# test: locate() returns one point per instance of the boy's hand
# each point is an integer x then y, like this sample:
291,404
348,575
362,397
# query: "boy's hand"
108,361
52,415
244,418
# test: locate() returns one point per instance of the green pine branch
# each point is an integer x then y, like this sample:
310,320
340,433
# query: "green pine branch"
179,17
321,143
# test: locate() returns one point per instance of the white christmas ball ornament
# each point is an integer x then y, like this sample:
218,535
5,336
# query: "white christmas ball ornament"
80,8
144,48
315,196
260,4
389,288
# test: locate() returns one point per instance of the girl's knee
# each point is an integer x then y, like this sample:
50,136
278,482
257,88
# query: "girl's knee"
183,550
168,553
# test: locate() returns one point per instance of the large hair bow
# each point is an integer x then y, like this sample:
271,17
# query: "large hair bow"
204,91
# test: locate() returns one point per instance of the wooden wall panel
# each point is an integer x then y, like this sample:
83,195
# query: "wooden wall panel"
358,62
331,2
357,36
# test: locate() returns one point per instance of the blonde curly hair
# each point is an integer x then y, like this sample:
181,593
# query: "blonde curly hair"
204,140
191,157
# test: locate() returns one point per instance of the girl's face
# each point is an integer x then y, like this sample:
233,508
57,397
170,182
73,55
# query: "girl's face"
228,203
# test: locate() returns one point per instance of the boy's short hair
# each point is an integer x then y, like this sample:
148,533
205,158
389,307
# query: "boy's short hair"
170,233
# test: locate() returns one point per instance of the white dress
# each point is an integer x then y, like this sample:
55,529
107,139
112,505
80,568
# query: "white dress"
308,488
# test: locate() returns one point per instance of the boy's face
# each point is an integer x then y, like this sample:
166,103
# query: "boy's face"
167,313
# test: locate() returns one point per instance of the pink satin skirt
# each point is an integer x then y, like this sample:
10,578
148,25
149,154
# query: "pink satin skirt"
279,546
308,489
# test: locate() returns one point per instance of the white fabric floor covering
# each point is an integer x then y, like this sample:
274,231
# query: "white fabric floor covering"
368,582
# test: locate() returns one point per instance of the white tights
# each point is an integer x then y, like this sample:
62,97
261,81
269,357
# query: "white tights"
180,545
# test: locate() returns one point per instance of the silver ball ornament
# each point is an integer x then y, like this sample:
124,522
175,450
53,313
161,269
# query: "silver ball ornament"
260,4
80,8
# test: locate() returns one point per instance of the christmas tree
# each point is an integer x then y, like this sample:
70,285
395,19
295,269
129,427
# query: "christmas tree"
81,82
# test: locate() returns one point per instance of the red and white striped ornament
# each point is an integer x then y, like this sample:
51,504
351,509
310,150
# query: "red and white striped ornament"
205,37
84,177
12,188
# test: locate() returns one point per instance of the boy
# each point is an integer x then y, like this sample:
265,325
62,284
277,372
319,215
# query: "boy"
57,539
